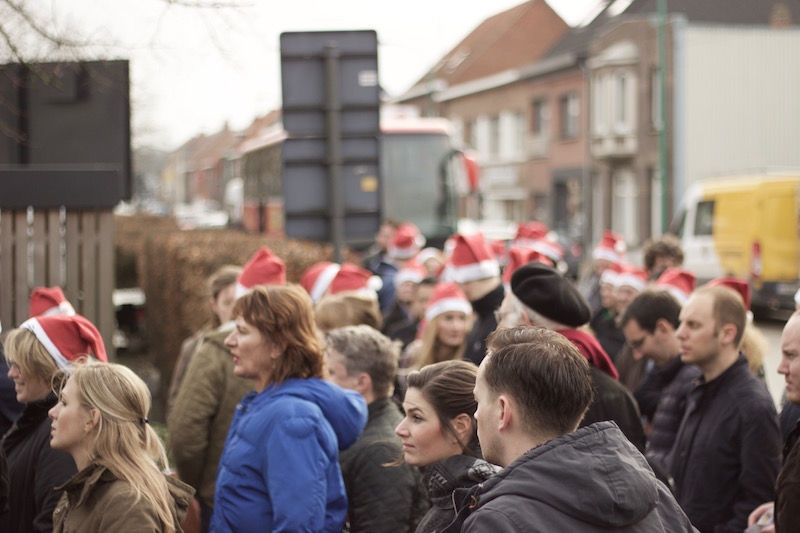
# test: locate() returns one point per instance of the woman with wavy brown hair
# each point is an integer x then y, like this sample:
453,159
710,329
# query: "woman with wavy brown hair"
279,470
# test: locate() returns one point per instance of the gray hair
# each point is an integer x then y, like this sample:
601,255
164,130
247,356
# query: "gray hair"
535,318
364,349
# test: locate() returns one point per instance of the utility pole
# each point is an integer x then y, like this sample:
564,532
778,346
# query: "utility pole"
662,130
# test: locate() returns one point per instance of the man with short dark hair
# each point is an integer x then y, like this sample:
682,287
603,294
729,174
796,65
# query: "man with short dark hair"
649,325
380,498
728,449
533,389
541,296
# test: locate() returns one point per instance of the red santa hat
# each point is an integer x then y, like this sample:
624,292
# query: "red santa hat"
472,259
413,272
332,278
528,232
264,268
49,301
611,248
447,297
739,285
407,242
518,256
632,276
548,247
611,274
678,282
66,337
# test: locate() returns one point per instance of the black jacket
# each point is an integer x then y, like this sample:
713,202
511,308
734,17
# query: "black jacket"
728,450
614,402
485,323
381,498
35,470
591,480
677,381
447,481
787,488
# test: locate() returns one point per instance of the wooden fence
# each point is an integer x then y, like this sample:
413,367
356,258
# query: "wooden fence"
70,248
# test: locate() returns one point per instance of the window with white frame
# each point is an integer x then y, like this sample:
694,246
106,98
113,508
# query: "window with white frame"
625,205
569,110
494,137
540,128
512,135
624,91
600,105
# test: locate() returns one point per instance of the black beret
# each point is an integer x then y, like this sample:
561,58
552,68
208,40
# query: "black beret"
546,291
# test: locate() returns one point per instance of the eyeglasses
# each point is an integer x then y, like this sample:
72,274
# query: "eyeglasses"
635,345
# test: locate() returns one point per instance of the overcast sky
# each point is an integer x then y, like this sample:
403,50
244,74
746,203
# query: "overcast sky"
194,69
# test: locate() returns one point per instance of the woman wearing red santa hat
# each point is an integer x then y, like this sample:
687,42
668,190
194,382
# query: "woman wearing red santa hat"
448,319
41,354
206,399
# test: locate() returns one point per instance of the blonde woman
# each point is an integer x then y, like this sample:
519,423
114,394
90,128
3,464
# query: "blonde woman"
40,356
101,421
448,320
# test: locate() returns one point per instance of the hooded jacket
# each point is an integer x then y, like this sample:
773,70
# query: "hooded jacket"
590,480
203,410
279,470
95,500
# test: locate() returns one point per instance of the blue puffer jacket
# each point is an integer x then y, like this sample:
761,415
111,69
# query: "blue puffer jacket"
279,470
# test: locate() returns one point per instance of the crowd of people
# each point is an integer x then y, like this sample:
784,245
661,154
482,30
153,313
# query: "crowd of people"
472,388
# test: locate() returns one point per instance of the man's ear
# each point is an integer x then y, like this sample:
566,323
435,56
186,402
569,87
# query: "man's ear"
727,333
363,383
506,411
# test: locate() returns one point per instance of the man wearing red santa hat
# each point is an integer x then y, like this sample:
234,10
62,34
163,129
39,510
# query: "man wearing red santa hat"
474,268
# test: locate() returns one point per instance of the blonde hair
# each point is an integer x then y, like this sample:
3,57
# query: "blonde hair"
754,346
347,309
433,351
23,349
125,443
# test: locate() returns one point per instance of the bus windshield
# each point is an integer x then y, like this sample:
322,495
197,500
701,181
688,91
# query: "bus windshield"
417,180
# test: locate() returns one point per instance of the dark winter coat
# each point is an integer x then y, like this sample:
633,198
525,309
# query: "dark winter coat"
445,481
612,401
35,470
677,380
379,497
202,414
728,450
591,480
787,488
95,500
485,323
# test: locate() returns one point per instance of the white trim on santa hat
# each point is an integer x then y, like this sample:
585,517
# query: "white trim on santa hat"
679,295
36,328
474,271
607,254
630,280
323,281
446,305
64,308
609,276
240,291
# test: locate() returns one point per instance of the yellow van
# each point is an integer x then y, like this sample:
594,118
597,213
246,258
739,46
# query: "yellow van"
747,226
